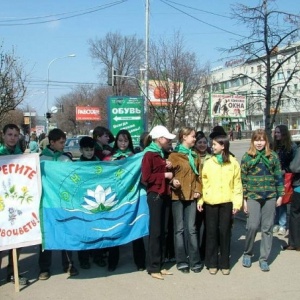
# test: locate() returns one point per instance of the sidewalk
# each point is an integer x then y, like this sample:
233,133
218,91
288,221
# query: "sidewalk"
281,282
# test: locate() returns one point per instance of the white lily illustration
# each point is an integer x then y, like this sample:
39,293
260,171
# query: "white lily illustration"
99,200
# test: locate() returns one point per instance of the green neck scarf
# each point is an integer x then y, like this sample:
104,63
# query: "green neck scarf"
219,158
121,153
190,154
6,151
51,153
153,147
261,156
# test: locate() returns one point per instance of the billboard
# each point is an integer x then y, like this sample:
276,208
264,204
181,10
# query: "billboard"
87,113
126,112
228,106
162,92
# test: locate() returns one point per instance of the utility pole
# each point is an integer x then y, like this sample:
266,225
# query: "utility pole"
147,65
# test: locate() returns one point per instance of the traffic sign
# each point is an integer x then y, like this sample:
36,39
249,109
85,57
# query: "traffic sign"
126,112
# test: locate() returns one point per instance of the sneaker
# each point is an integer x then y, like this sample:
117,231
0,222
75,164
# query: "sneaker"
71,270
264,266
22,280
225,271
281,231
247,261
275,228
213,271
44,275
99,261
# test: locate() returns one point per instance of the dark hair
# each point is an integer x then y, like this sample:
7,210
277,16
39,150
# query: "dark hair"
217,130
87,142
56,134
285,141
128,135
200,135
223,140
143,136
10,126
100,130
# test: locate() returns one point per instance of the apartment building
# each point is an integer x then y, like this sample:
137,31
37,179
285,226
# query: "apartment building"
233,78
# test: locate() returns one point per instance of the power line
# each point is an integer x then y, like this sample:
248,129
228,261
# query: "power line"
198,9
206,23
57,18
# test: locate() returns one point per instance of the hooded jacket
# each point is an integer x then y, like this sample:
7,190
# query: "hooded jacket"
222,183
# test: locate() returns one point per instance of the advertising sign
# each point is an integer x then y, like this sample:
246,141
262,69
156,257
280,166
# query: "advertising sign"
162,92
126,112
87,113
20,195
228,106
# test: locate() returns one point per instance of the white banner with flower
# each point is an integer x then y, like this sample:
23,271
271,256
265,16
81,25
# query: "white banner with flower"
20,195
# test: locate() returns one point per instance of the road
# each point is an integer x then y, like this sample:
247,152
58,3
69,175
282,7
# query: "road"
127,283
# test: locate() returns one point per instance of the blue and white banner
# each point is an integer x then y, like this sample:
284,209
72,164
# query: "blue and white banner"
90,205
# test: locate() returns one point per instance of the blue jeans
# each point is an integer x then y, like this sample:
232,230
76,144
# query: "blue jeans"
280,217
185,234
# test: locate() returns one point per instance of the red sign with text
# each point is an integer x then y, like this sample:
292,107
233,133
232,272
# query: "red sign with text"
87,113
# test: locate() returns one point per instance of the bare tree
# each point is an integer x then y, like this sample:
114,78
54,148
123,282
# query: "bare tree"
269,36
15,116
125,54
12,82
81,96
178,72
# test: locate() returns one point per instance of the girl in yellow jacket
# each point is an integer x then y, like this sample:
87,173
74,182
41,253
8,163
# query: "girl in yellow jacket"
222,196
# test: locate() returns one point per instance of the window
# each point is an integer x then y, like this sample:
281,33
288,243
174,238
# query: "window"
259,68
252,70
280,75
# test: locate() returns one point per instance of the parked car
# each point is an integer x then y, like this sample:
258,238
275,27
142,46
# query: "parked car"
72,146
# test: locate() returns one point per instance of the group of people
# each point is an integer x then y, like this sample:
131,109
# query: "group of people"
193,187
208,186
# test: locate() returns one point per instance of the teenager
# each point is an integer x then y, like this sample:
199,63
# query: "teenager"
156,175
222,195
263,190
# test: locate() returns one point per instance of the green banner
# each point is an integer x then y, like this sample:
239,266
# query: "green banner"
126,112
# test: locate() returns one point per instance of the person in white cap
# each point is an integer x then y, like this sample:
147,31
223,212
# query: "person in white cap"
156,175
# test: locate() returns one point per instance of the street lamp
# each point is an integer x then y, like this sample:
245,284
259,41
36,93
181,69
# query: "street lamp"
47,101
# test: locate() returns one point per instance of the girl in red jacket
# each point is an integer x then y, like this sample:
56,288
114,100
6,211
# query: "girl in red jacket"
156,175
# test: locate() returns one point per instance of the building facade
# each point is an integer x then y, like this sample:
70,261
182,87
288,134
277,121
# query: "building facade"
248,79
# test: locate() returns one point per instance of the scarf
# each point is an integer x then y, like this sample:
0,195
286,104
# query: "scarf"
6,151
54,154
153,147
121,153
219,158
190,154
260,156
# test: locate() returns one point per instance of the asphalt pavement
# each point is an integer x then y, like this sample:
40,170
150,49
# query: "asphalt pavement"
282,282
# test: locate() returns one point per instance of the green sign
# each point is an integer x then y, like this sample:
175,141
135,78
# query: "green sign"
126,112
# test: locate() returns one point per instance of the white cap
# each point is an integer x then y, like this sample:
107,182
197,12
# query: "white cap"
161,131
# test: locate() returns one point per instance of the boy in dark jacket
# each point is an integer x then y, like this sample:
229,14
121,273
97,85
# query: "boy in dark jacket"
54,152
